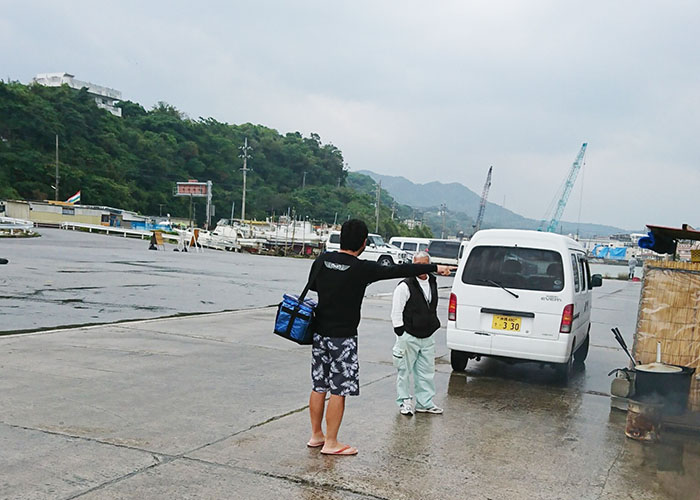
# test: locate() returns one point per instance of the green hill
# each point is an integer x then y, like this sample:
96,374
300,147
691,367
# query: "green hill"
133,162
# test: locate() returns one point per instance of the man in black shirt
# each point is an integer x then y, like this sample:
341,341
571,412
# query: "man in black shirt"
341,284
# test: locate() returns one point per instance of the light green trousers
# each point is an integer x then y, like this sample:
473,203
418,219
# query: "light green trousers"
415,357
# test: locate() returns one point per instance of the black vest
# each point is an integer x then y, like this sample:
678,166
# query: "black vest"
420,318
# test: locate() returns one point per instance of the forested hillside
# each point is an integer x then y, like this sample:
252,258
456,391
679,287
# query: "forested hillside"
133,162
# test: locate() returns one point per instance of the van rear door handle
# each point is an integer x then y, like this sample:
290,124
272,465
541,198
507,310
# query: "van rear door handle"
506,312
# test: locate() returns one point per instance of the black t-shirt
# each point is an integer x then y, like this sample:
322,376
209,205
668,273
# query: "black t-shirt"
341,284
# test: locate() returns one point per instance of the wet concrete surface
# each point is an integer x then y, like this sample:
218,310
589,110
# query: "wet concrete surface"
70,278
214,406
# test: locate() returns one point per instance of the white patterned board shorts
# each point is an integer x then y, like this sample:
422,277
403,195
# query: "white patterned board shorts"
335,367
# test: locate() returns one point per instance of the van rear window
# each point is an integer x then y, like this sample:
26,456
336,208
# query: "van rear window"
334,238
515,267
444,249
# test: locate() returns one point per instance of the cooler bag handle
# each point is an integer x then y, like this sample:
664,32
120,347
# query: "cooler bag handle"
312,277
295,311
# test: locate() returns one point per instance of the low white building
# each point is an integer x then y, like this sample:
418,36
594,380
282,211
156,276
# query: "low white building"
53,213
105,97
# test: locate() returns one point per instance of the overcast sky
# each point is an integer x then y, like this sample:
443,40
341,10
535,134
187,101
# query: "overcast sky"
432,91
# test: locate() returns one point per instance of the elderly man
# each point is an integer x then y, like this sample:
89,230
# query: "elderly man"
414,317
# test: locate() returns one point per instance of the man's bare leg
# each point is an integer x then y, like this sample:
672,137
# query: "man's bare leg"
334,417
317,404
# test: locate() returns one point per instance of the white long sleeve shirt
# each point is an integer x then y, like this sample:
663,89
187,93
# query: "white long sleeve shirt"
401,296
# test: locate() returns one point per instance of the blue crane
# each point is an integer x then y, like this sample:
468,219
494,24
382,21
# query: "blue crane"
482,205
568,186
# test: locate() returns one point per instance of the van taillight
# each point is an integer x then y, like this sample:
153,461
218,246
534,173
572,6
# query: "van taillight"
567,317
452,308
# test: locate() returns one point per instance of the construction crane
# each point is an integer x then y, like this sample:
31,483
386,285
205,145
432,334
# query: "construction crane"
482,205
568,186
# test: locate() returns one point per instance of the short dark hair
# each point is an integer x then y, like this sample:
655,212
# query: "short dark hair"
353,235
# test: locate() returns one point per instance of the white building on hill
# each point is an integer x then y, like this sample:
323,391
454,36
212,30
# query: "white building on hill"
105,97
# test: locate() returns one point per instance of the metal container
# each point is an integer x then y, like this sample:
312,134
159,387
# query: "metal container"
644,421
665,384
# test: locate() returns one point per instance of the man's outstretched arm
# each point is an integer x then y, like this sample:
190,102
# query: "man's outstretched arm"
376,272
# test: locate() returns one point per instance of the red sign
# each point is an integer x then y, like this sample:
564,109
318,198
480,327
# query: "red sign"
191,189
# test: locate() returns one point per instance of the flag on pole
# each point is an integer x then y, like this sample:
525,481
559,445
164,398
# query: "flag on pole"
75,198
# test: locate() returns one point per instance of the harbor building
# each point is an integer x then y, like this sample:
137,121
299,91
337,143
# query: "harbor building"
105,97
53,213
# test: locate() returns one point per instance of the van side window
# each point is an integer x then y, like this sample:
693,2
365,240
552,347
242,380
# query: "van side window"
583,275
588,273
410,247
574,263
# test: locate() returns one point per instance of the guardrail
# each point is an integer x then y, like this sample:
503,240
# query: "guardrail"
120,231
10,224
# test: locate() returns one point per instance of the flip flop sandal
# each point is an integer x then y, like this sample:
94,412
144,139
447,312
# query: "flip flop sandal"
315,445
342,451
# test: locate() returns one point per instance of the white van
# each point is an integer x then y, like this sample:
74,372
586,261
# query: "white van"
444,252
376,250
410,244
523,295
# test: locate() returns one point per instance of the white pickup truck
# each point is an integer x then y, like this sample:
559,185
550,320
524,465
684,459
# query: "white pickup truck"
376,250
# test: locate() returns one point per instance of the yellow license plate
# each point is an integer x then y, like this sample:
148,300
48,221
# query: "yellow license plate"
508,323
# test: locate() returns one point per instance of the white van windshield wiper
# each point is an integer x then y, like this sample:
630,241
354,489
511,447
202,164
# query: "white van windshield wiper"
501,286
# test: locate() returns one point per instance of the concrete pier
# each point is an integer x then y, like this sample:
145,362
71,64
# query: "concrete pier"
215,406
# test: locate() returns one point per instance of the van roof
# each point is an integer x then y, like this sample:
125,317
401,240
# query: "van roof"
510,237
369,234
410,238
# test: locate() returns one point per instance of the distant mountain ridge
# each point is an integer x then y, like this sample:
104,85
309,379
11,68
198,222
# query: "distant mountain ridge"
460,198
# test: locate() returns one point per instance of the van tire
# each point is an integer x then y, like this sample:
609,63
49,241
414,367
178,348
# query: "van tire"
458,360
565,370
385,261
582,352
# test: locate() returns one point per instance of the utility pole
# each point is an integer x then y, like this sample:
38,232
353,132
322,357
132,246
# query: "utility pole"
303,182
191,204
443,209
294,226
244,154
303,235
209,205
376,209
160,209
56,191
194,213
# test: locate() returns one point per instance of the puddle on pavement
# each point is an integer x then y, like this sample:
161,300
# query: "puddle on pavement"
673,463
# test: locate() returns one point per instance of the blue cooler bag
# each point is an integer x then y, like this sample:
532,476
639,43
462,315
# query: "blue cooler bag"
295,315
294,319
